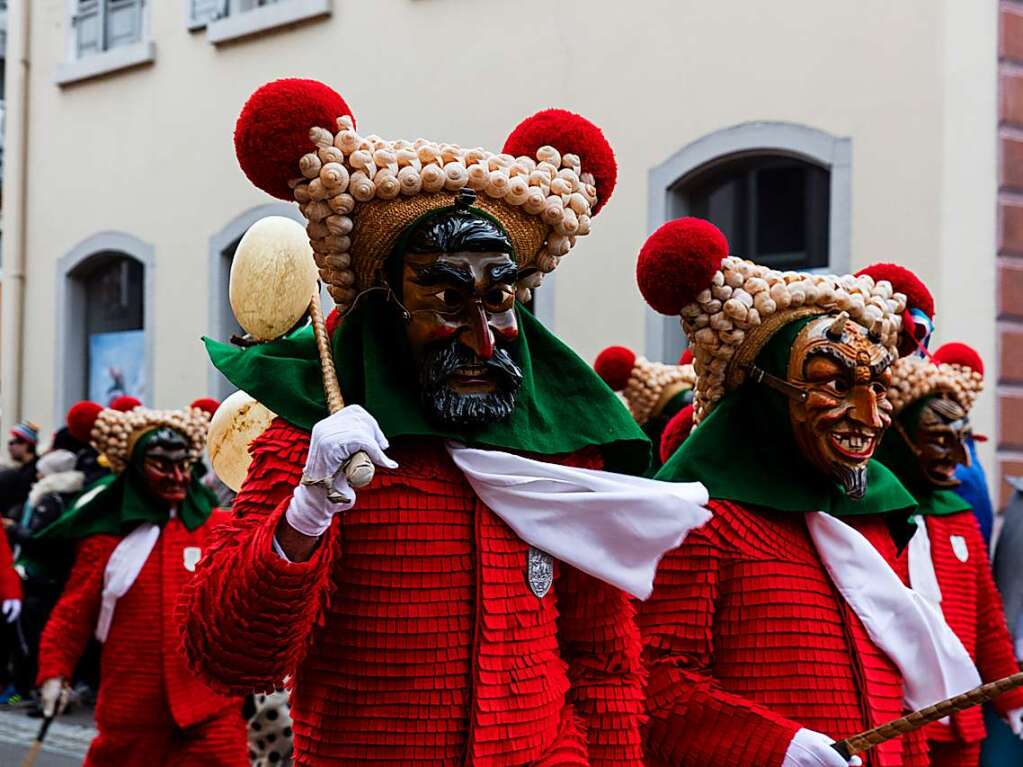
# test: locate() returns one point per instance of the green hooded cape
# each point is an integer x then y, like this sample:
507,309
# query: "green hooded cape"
117,503
562,406
745,451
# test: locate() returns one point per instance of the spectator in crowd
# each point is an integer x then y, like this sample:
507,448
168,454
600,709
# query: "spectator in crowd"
44,563
1001,747
15,482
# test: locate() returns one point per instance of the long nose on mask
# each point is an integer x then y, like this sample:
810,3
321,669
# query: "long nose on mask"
479,337
865,409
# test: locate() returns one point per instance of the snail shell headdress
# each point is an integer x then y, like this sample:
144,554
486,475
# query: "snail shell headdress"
730,308
114,431
640,381
297,140
955,369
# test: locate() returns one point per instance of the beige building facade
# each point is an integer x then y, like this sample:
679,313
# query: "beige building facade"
870,127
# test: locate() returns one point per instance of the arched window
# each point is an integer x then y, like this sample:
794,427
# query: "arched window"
103,311
780,193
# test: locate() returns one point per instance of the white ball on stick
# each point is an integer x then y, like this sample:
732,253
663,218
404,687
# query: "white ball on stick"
237,422
273,274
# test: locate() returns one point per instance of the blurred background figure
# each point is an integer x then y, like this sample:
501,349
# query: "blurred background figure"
1001,747
16,481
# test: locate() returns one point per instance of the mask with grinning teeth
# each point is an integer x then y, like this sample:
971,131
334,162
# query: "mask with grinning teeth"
939,440
843,411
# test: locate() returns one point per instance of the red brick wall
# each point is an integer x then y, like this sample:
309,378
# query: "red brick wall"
1010,245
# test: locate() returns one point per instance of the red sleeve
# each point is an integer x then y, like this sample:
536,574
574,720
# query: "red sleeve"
10,581
692,722
601,644
996,657
247,615
73,619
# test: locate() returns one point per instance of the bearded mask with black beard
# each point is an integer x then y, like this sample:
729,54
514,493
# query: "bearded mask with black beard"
450,407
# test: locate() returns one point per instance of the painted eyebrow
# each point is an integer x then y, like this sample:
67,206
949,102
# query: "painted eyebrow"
439,272
504,273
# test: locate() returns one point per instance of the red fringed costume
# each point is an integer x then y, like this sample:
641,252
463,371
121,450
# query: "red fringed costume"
412,636
747,640
10,582
973,609
139,536
149,702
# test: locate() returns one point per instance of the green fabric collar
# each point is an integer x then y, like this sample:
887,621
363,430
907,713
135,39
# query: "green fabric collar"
115,504
744,451
899,458
563,405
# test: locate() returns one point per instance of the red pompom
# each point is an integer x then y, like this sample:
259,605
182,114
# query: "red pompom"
678,261
569,133
675,432
686,358
956,353
81,418
905,282
125,403
206,404
614,366
272,132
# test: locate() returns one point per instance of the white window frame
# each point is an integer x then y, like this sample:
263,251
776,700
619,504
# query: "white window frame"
244,19
664,337
111,59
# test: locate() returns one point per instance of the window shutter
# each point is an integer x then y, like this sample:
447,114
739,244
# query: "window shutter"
124,22
201,12
88,33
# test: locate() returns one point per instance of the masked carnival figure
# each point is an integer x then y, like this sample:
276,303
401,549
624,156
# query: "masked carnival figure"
654,392
139,533
770,632
948,560
463,608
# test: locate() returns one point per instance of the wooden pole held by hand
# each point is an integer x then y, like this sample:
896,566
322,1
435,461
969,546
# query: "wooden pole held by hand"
359,468
857,744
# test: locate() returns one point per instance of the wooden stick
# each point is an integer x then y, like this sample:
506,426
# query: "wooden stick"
37,744
359,468
857,744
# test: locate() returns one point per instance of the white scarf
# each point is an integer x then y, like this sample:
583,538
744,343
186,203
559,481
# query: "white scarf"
611,526
922,577
905,625
122,569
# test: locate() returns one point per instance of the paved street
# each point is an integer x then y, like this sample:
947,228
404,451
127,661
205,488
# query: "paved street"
65,745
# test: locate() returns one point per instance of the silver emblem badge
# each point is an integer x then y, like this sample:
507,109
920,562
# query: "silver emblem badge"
539,572
192,556
959,547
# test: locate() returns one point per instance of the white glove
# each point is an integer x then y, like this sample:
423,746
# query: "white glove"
1015,720
53,696
813,749
325,490
11,609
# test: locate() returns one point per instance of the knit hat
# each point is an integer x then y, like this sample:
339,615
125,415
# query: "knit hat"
26,431
56,462
641,381
730,308
955,369
296,140
114,433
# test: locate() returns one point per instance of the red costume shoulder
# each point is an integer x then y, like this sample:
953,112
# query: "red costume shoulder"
743,626
973,610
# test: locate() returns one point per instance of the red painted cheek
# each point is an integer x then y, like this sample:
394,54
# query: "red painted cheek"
442,333
508,333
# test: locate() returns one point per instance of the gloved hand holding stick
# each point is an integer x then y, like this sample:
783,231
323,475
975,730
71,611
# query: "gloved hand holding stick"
857,744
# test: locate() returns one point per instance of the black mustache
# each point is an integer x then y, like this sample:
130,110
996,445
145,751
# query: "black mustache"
446,360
